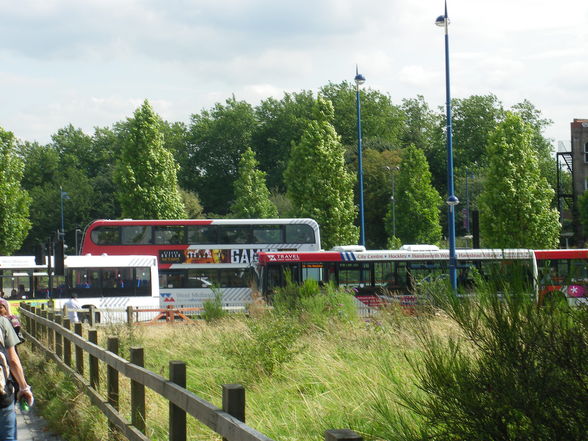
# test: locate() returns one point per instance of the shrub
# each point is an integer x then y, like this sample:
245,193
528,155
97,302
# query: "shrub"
213,309
516,372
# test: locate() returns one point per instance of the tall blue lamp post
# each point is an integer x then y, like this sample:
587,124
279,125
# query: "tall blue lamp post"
452,201
63,195
359,80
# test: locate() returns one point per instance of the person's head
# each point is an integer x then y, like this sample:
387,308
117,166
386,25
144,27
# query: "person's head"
4,307
74,296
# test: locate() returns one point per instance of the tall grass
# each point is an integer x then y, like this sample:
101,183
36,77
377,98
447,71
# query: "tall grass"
311,364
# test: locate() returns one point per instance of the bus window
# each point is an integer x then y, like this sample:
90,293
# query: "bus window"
106,235
202,234
136,235
233,235
267,234
299,233
170,235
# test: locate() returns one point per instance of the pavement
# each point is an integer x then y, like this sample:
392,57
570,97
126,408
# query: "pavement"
32,427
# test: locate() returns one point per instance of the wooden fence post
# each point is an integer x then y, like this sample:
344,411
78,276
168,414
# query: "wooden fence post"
34,323
51,317
79,350
342,435
112,379
138,392
67,344
92,316
234,401
177,416
129,315
59,337
93,362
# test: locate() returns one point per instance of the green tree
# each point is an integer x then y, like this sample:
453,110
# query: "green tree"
417,202
252,198
515,205
215,142
280,124
14,201
381,121
380,171
145,172
317,182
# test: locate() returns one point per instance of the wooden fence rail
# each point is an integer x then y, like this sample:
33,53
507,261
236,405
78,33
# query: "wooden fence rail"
52,334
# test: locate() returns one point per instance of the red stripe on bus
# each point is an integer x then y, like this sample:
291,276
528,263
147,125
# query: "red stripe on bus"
561,254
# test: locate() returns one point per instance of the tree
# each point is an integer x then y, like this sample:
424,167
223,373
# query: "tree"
215,142
515,205
14,201
317,182
381,121
280,124
380,170
145,172
252,198
417,202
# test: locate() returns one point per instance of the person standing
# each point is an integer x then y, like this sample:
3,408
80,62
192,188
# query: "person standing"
8,340
14,321
72,307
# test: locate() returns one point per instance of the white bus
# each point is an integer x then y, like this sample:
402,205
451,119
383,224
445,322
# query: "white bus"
105,282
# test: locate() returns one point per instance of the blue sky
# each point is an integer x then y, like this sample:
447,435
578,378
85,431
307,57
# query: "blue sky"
91,63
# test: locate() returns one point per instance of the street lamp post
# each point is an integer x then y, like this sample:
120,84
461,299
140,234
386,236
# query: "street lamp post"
452,201
393,170
359,80
62,195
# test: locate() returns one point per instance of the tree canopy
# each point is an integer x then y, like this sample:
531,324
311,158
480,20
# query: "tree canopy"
145,172
515,205
318,184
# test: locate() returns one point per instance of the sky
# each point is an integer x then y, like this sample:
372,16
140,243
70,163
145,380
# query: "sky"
91,63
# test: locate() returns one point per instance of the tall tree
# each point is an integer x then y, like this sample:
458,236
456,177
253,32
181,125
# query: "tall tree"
417,202
252,198
280,124
14,201
318,183
381,121
515,205
146,172
215,142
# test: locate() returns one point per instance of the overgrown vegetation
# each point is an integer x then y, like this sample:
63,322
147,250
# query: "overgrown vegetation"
484,367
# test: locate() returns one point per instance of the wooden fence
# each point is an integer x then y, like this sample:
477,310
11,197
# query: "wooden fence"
51,333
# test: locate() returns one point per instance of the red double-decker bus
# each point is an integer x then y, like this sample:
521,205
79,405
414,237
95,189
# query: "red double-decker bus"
195,256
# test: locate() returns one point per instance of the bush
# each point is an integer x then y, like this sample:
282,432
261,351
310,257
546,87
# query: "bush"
516,371
269,344
213,309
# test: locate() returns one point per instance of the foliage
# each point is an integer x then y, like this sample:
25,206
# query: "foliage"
213,308
215,141
381,121
252,198
513,372
145,172
191,204
280,124
267,346
313,303
417,202
14,201
317,182
379,169
515,205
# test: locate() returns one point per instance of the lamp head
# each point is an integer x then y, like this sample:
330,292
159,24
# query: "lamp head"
440,21
452,200
359,79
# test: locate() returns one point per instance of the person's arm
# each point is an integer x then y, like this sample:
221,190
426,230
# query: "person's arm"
18,374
